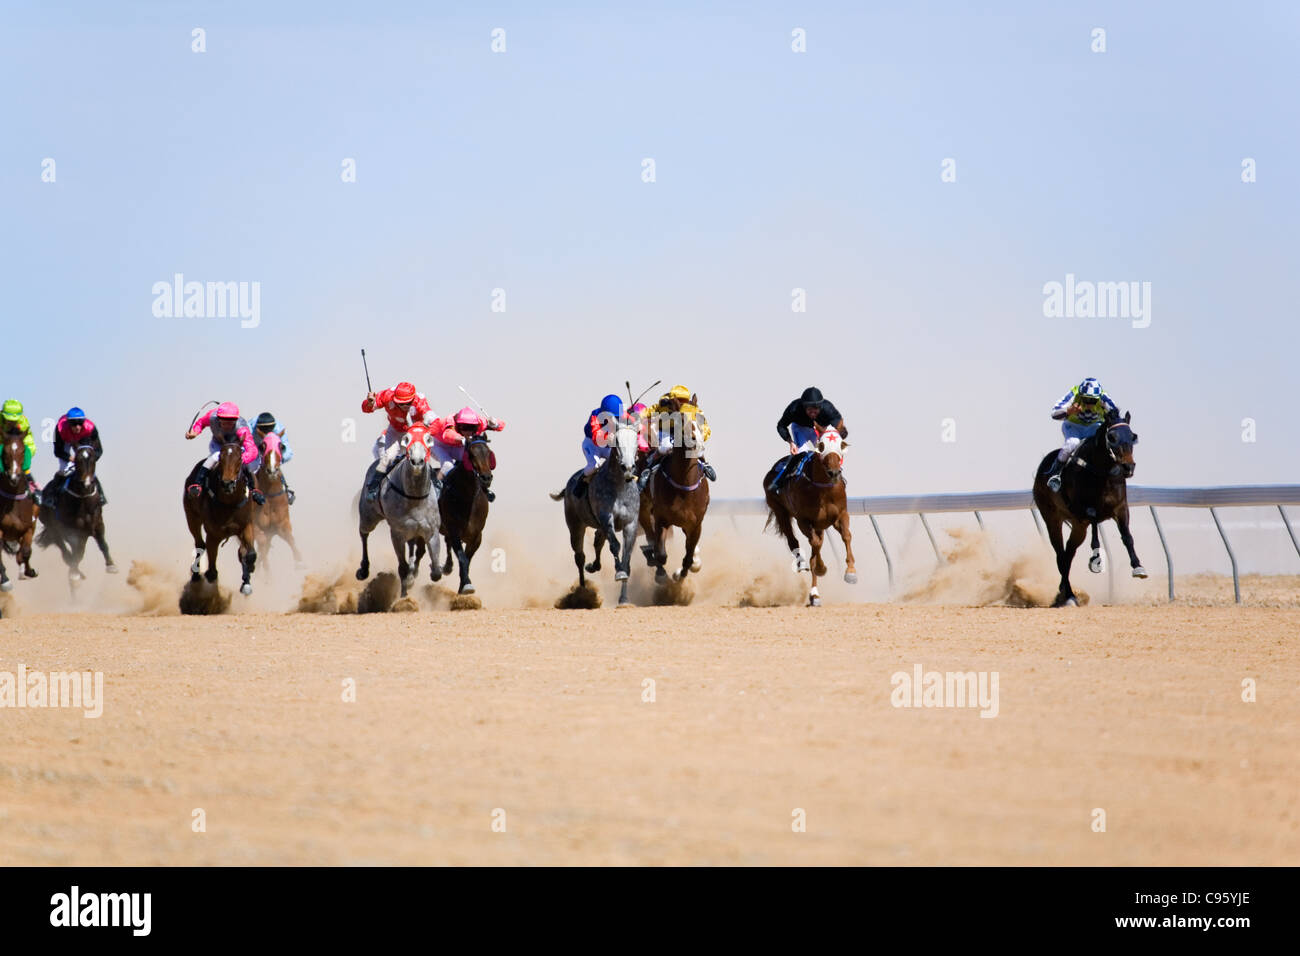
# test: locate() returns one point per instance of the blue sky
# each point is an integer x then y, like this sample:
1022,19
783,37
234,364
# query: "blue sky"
775,170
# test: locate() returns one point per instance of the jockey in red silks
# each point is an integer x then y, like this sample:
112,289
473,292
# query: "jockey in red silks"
405,407
227,426
451,433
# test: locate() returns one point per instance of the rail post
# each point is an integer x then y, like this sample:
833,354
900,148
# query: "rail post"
926,525
1169,561
1236,582
889,564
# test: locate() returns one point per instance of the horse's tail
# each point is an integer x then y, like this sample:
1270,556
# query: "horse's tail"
557,495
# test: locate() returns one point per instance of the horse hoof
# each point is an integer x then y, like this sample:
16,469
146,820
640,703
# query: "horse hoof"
850,577
1139,572
620,576
467,589
814,601
695,566
210,576
435,574
245,589
111,568
194,577
29,573
1094,564
6,585
593,568
624,602
363,573
661,576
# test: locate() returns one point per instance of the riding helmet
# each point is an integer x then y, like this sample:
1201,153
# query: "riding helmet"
265,421
75,414
811,396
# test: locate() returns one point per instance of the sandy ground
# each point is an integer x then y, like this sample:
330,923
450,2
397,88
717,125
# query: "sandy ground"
757,713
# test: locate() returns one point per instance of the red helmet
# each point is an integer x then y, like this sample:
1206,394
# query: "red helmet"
404,394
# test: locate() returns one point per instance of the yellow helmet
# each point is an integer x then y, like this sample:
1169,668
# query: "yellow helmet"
679,392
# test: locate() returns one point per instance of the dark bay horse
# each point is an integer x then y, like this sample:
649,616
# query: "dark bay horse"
224,510
814,497
677,495
408,502
272,519
1093,490
73,514
18,509
464,507
610,503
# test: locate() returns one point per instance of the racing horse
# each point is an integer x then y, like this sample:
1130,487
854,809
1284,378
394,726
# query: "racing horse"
18,510
677,495
272,519
611,504
463,507
73,514
408,502
223,510
1093,490
813,496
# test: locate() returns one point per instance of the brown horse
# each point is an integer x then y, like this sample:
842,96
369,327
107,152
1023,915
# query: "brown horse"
1093,490
272,520
73,514
814,497
222,511
677,495
18,510
464,507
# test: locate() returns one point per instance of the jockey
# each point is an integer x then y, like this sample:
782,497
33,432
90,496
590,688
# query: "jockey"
598,437
265,425
451,433
227,426
1081,412
668,420
405,407
801,423
15,421
71,432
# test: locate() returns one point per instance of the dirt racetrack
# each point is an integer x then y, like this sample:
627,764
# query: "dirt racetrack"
757,712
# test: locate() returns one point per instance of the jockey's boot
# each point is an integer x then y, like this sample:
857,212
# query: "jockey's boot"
372,485
1054,475
196,487
253,493
99,486
34,488
289,496
491,495
774,486
644,478
709,473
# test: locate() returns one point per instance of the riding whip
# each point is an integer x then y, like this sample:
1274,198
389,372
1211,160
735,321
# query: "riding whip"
367,368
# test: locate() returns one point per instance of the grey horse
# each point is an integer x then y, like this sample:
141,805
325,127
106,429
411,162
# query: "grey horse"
408,503
611,504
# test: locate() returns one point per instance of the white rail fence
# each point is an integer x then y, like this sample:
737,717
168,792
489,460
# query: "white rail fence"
1213,498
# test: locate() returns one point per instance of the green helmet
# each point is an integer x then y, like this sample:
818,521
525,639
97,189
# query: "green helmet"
13,410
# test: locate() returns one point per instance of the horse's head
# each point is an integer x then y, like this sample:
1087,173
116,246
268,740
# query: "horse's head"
85,465
271,455
416,444
830,449
230,466
623,453
13,456
1120,439
480,460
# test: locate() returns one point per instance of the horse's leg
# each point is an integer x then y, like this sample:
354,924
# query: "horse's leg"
1121,519
850,567
692,539
77,551
403,566
213,545
659,550
102,541
611,536
1094,562
462,560
446,567
416,549
815,538
25,552
1065,558
625,563
783,524
247,558
363,571
287,534
5,583
599,542
578,531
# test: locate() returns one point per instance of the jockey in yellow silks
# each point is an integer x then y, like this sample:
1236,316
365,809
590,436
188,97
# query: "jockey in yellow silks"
674,420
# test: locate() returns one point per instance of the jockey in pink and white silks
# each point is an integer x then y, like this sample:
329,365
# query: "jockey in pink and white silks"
451,433
227,426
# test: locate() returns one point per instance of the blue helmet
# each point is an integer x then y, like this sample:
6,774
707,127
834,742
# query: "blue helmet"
75,414
612,405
